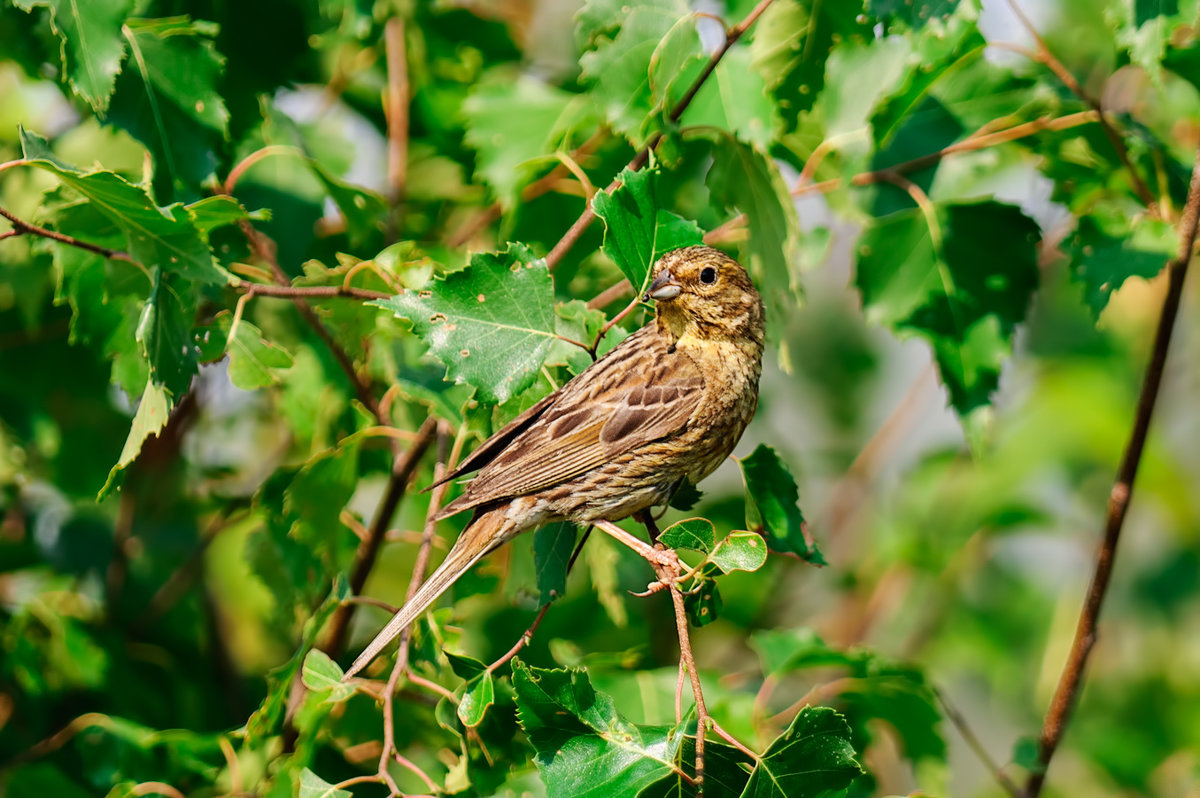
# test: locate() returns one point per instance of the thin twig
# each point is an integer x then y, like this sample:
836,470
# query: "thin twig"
689,662
980,140
308,291
522,641
581,224
1065,694
1046,57
264,248
396,105
591,350
368,551
976,745
22,227
610,295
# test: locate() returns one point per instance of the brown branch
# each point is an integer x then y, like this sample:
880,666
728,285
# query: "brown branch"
522,641
396,106
572,236
308,291
264,248
368,551
22,227
610,295
537,188
1065,694
688,659
979,140
1046,57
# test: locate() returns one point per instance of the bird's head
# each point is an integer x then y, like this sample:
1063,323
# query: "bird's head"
703,292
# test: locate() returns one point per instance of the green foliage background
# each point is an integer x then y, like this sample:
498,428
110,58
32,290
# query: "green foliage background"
957,338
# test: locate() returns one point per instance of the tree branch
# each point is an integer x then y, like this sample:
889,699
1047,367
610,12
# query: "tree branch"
308,291
22,227
581,224
368,551
1071,680
1046,57
396,106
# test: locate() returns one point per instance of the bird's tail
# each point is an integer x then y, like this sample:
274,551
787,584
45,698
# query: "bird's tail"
481,536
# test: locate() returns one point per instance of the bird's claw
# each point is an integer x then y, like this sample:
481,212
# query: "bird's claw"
651,589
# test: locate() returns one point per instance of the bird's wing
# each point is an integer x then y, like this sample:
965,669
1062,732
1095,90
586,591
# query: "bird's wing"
637,394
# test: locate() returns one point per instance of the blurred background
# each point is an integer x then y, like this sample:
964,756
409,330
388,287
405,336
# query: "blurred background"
957,546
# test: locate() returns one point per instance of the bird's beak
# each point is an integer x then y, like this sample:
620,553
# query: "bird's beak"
663,287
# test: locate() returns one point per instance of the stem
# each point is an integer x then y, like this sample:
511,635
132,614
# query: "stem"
1067,691
577,229
22,227
688,659
308,291
1046,57
368,551
976,745
262,246
396,105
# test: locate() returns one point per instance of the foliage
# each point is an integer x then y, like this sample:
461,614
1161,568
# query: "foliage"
268,267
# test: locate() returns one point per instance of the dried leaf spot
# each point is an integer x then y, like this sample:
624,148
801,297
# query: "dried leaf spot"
199,106
481,298
465,352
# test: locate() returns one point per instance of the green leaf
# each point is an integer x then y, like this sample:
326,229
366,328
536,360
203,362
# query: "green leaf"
739,551
792,41
636,231
254,362
163,237
313,786
686,496
635,70
915,14
364,210
164,332
513,119
1137,247
772,494
965,299
212,212
169,99
152,415
322,675
92,47
465,667
696,534
552,547
744,178
812,759
703,604
726,769
734,98
478,694
491,324
785,650
314,500
584,746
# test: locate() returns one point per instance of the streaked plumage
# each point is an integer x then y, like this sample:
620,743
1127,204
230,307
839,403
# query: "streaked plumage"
669,402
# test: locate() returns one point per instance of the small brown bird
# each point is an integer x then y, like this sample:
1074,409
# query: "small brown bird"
668,403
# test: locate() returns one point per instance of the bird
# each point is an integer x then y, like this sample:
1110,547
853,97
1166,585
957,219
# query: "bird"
668,403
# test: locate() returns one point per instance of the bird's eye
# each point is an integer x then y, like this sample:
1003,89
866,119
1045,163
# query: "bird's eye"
708,275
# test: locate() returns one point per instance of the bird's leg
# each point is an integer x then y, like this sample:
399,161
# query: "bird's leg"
646,519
